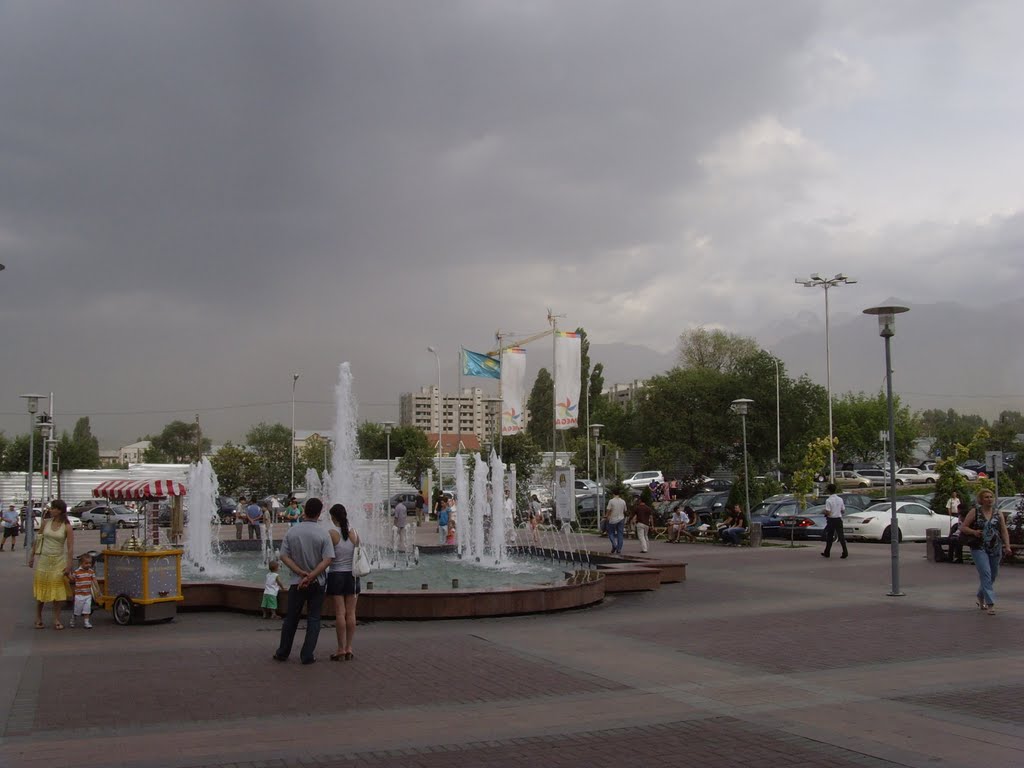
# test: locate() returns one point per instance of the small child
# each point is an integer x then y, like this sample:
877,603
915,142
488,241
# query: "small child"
451,533
82,579
271,586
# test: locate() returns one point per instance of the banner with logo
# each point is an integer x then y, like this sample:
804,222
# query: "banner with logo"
513,390
567,380
565,493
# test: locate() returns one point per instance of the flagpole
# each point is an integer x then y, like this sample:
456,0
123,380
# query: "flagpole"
554,395
501,407
458,403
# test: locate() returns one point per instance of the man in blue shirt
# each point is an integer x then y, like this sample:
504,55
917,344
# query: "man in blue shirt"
254,515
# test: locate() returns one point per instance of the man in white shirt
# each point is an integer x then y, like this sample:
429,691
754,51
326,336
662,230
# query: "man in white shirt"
834,509
615,516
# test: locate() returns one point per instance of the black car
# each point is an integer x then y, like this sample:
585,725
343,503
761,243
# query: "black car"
707,504
226,508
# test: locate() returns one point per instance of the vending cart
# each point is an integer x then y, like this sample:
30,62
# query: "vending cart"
141,578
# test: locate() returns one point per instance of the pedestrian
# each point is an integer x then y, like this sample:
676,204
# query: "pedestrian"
953,504
835,507
400,518
443,517
254,517
53,548
292,512
956,541
984,530
615,520
420,505
11,526
342,585
272,585
735,526
536,520
240,516
307,551
82,580
641,519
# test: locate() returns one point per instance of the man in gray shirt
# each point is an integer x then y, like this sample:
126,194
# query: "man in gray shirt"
307,550
401,516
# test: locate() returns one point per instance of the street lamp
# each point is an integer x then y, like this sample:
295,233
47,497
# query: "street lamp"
388,426
32,402
741,406
291,478
887,329
814,281
45,427
778,424
595,430
440,415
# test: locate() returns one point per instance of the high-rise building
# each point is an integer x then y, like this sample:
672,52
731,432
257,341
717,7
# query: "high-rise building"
471,412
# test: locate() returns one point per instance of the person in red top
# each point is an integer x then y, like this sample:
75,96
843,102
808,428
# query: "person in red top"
641,519
82,579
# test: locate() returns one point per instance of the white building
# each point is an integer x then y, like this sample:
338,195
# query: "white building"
624,393
471,412
133,453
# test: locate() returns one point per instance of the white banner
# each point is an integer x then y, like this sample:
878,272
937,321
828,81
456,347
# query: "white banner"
513,390
567,380
565,493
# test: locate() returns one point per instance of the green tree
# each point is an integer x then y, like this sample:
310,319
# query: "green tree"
541,407
815,458
16,455
950,478
416,455
522,451
271,445
858,419
81,450
371,440
714,350
949,428
237,469
177,443
317,453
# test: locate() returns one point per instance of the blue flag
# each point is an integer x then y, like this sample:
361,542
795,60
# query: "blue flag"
477,364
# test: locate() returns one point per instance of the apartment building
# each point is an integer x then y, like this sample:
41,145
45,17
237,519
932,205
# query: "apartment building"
470,412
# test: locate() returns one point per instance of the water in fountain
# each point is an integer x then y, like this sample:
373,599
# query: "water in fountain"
314,489
499,547
202,549
479,510
462,505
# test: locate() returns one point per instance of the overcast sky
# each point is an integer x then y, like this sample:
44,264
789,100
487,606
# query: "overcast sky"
197,199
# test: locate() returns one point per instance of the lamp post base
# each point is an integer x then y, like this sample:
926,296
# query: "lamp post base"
896,594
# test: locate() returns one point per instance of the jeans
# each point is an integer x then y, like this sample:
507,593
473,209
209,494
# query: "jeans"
254,530
313,597
834,530
733,535
442,532
615,535
641,534
988,568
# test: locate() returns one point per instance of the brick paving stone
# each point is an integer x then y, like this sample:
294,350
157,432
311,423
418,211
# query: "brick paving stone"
1002,703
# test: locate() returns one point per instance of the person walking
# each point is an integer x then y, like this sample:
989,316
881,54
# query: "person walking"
641,519
307,551
984,530
443,514
342,585
10,523
53,549
835,507
615,520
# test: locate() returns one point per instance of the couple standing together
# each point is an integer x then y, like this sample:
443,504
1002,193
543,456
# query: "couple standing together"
322,561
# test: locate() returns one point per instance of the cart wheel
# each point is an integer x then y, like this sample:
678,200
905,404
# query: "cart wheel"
122,610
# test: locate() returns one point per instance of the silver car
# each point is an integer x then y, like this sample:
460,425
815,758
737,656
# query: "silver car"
122,517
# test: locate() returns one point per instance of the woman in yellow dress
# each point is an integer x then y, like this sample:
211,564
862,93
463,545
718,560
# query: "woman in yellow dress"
53,550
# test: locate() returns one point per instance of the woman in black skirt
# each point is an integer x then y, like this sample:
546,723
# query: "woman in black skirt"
342,586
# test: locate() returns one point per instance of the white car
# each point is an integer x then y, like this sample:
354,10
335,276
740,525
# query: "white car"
968,474
915,476
76,522
641,480
914,518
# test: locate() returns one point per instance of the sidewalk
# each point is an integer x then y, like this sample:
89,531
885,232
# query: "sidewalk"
768,657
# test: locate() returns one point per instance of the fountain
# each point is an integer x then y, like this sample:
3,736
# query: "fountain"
202,548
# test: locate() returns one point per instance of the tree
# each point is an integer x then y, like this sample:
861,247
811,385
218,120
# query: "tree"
271,445
416,455
949,428
541,408
178,443
714,350
16,455
81,450
857,420
950,478
815,458
237,469
317,453
522,451
371,441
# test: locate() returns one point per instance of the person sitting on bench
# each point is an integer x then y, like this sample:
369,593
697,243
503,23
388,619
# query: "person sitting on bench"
735,527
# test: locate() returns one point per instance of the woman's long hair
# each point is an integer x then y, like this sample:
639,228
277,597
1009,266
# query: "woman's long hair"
61,508
340,517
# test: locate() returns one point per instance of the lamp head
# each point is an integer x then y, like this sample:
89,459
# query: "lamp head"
432,349
886,319
741,406
388,426
815,277
595,430
32,401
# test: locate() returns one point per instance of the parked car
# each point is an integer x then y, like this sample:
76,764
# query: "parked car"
585,487
927,466
1010,504
708,504
976,466
99,514
808,524
716,484
915,476
226,508
913,517
408,499
76,522
968,474
876,476
770,511
641,480
851,478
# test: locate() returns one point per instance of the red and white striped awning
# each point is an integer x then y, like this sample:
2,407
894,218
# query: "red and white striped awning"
138,489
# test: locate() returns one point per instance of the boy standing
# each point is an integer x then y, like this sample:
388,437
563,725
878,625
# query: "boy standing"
82,579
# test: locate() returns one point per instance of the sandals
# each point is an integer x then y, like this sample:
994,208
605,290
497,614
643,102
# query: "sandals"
58,625
40,625
339,656
991,610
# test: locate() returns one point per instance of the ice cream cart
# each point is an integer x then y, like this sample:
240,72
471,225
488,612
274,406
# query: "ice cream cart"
141,578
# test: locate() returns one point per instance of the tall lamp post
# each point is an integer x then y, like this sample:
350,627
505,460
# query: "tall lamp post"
32,402
388,426
440,415
814,281
291,477
887,329
778,424
595,430
742,406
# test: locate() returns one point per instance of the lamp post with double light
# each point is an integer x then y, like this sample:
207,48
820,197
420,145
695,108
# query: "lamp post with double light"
741,406
887,329
440,416
388,426
291,480
32,403
595,430
814,281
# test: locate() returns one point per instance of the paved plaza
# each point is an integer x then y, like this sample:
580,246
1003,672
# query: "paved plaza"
768,657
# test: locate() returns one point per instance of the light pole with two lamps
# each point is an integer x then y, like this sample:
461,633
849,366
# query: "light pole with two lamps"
741,406
291,481
388,426
887,329
814,281
440,415
595,430
32,402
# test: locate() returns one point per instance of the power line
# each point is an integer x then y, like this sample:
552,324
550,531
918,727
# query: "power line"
210,409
